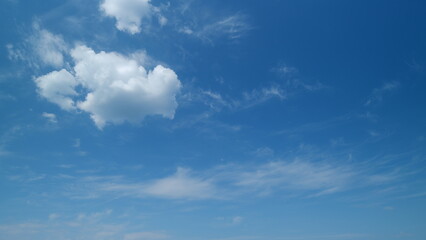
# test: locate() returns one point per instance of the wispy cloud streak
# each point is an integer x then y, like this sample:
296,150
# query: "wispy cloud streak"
299,177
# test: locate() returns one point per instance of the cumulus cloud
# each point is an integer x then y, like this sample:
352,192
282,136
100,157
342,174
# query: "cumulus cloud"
58,87
121,90
116,88
130,13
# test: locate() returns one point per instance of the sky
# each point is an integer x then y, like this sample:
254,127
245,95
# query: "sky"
212,120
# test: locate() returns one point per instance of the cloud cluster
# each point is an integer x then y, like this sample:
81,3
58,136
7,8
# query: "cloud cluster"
113,88
129,13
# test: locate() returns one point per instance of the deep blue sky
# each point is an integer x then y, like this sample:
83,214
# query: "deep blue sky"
217,120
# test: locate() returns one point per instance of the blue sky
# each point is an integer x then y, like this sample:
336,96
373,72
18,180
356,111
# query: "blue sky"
213,120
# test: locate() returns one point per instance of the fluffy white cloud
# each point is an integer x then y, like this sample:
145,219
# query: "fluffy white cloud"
58,87
129,13
116,88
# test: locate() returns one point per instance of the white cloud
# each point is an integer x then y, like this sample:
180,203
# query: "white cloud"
50,117
116,88
376,96
121,90
285,70
186,30
14,54
58,88
232,27
214,100
48,47
40,48
162,20
181,185
103,225
129,14
258,96
301,178
217,102
296,175
273,91
93,217
292,80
